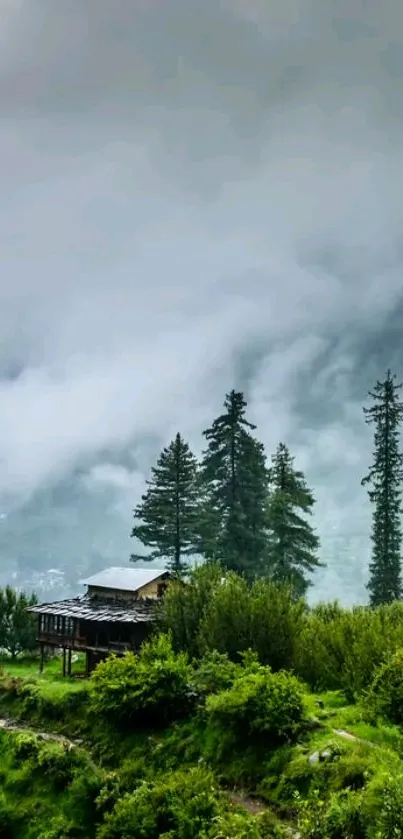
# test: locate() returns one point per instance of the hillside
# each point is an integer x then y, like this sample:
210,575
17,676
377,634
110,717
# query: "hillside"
155,747
246,714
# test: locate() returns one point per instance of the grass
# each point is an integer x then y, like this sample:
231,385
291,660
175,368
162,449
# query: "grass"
339,714
49,701
29,668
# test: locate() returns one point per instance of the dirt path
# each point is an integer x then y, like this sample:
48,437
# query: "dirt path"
352,737
9,725
256,806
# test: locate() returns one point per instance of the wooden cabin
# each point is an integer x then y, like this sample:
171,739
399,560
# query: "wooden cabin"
114,615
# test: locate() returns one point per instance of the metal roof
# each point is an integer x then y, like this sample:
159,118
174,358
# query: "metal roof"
124,579
86,608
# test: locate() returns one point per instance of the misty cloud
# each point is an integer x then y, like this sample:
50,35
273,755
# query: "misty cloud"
194,197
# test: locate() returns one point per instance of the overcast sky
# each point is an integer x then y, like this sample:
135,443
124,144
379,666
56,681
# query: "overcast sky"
194,196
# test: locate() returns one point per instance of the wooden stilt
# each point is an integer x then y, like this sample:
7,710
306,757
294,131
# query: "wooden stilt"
69,662
42,658
64,661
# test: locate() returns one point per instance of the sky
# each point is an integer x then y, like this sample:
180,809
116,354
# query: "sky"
194,196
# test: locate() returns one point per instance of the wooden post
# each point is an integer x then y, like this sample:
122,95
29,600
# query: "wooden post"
64,661
69,662
42,658
87,662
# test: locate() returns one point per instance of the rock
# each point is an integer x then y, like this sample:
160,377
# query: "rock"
314,758
327,754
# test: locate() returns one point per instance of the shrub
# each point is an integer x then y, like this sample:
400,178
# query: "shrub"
277,620
342,648
385,696
149,688
183,806
238,825
184,606
59,764
383,804
261,708
338,818
264,618
206,615
26,746
214,673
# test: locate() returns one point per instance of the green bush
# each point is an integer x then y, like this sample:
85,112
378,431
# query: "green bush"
181,806
340,649
206,615
150,688
183,607
264,618
261,709
340,817
26,746
214,673
385,697
383,805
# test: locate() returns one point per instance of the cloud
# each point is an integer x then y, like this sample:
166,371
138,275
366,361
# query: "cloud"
195,196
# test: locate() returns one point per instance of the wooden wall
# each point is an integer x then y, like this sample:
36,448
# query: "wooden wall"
150,590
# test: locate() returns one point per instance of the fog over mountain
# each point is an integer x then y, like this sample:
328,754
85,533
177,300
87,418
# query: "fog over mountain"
194,196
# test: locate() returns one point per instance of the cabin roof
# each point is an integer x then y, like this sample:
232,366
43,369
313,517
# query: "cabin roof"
86,608
124,579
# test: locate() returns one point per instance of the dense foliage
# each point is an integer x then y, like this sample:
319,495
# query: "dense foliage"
227,615
212,732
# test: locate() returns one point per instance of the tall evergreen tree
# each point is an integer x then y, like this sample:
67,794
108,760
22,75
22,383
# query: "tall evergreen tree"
167,517
293,541
384,479
234,482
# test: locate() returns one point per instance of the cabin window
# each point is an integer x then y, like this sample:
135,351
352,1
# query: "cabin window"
161,589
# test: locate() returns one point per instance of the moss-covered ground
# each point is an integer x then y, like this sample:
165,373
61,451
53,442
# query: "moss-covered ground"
42,780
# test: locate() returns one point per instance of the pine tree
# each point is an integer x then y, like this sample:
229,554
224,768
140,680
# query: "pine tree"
385,478
168,514
234,481
293,541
